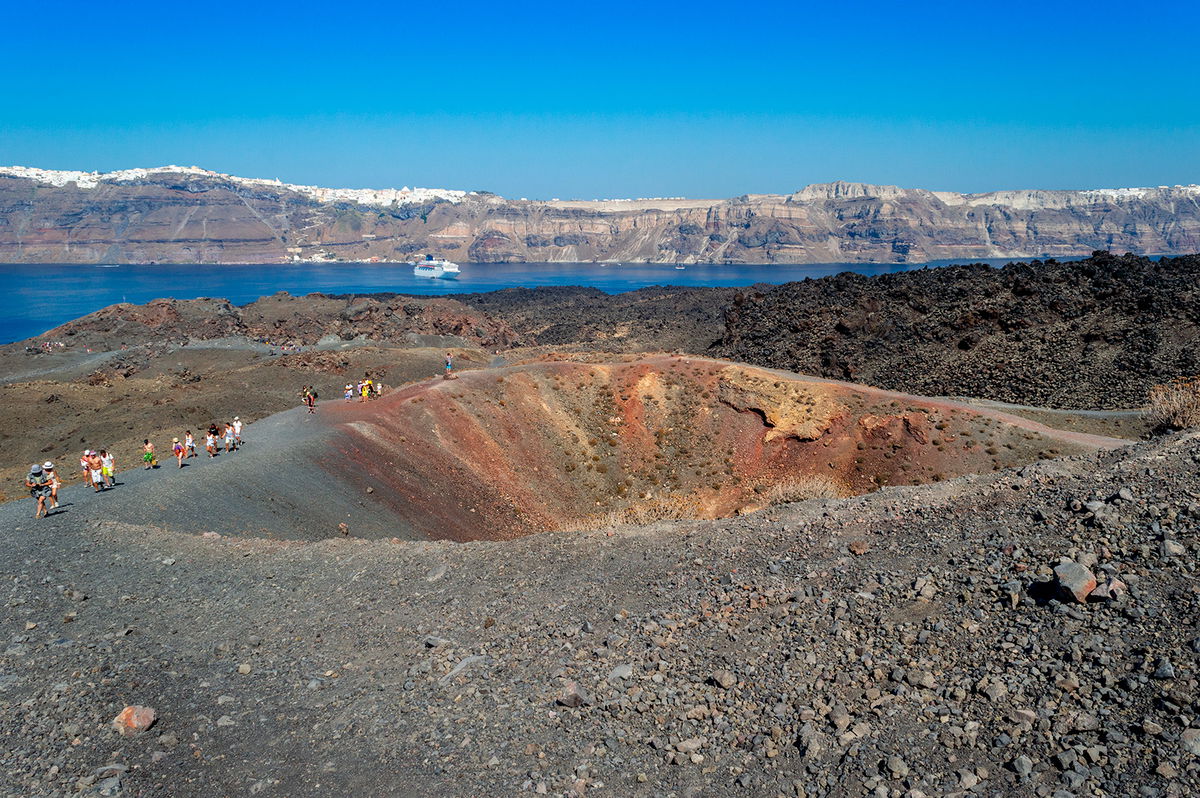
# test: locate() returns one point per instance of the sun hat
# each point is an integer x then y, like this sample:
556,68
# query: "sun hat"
48,465
237,418
174,440
35,469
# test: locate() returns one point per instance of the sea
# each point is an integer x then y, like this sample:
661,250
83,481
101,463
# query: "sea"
43,296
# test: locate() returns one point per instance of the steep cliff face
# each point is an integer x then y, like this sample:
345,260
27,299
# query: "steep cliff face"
190,215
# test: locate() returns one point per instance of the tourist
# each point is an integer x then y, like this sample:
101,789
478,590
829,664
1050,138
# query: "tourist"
96,471
310,398
237,432
39,489
148,454
449,366
365,390
348,395
178,450
85,465
189,443
55,483
210,442
229,447
108,465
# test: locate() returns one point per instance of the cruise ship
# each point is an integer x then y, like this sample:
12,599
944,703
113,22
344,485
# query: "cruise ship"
435,267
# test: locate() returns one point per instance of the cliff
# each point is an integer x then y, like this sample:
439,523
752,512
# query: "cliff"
178,214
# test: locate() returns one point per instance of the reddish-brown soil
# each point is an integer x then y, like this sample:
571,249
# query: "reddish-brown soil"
500,453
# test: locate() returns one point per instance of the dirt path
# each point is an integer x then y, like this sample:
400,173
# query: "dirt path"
279,485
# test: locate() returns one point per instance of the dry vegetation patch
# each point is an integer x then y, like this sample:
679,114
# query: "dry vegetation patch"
1175,405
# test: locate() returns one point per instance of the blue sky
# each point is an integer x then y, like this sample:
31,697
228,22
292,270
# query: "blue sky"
612,99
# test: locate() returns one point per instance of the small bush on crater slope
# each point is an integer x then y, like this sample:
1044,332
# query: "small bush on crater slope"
802,488
1175,405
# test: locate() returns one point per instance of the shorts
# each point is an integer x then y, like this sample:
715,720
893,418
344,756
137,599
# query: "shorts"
106,471
97,476
148,457
40,492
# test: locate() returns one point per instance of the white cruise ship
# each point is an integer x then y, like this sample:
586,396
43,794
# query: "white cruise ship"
435,267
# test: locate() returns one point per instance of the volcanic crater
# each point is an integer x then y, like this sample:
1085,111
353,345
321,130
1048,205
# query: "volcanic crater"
562,444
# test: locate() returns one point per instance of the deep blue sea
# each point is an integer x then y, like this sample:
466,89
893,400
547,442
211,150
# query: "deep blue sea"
43,296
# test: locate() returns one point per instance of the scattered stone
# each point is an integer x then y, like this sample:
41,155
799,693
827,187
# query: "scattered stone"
620,673
1074,581
573,695
1023,766
723,679
134,719
859,547
1173,548
244,668
994,690
897,767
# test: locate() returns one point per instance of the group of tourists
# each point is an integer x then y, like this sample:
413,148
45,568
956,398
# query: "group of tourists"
98,468
365,389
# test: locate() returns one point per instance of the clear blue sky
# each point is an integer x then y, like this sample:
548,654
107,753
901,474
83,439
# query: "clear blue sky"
611,98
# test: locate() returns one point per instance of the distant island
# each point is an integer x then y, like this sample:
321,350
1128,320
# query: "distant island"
191,215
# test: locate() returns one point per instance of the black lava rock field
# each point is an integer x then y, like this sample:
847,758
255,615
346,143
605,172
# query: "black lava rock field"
1096,333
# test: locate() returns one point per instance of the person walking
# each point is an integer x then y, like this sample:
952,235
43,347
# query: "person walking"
229,447
108,468
210,442
55,483
148,454
310,398
237,432
178,450
449,366
189,443
96,470
348,392
39,489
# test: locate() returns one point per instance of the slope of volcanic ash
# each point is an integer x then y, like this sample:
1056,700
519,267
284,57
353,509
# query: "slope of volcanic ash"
496,454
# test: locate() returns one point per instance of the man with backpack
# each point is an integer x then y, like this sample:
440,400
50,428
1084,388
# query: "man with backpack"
38,483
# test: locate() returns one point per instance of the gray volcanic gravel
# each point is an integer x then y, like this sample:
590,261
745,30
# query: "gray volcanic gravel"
909,642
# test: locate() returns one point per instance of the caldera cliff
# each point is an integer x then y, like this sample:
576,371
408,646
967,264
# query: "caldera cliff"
187,214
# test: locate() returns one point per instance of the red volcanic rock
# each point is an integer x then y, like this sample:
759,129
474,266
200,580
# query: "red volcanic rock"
134,719
1074,581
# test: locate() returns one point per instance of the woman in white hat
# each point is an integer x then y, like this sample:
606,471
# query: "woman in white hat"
48,470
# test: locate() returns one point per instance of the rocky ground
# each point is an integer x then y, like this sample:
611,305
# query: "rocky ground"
1032,630
647,320
1096,333
914,641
